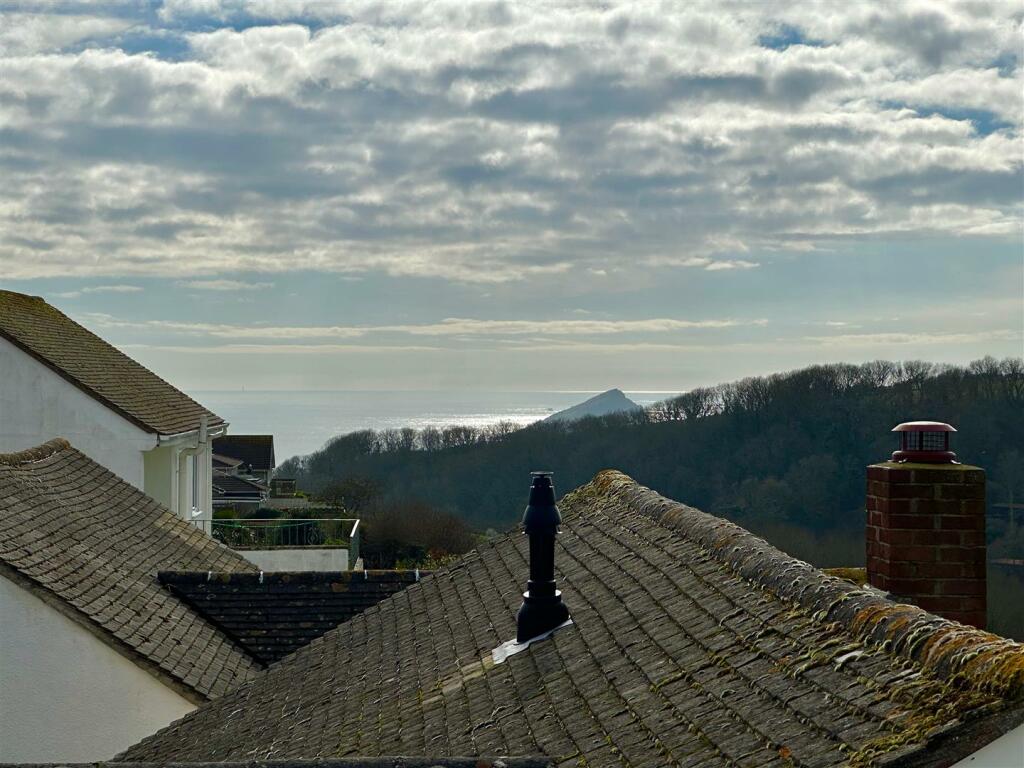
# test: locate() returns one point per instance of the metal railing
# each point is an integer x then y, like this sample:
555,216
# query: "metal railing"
266,533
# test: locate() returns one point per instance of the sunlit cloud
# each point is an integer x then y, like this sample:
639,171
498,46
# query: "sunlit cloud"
495,143
225,285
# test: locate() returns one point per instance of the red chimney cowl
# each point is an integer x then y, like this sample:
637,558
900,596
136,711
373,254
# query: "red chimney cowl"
925,442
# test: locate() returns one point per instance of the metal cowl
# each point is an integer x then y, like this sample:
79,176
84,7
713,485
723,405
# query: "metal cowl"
542,609
541,514
925,442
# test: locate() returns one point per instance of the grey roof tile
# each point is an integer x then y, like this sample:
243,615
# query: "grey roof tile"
99,369
99,560
693,643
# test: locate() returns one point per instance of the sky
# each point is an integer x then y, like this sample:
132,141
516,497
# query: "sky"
282,194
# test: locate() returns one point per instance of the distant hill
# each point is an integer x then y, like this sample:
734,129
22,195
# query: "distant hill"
784,455
605,404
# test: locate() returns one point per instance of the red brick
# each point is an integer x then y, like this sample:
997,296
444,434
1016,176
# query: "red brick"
972,507
883,474
893,506
962,555
912,491
972,570
978,603
931,570
934,507
972,538
879,489
896,536
960,491
961,523
947,474
912,521
909,587
891,475
934,538
884,567
962,587
913,553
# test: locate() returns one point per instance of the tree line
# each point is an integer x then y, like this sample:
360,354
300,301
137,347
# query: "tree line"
789,447
783,455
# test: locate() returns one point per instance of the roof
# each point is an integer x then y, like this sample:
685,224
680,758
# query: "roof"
90,545
97,368
229,487
225,462
358,762
273,614
255,450
693,643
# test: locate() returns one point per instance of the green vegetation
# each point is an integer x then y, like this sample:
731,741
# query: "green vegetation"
783,455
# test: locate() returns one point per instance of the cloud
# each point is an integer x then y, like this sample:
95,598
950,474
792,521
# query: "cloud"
915,338
493,143
225,285
99,289
450,327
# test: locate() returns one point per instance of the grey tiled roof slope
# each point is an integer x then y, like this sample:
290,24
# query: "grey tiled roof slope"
99,369
91,544
273,614
694,643
357,762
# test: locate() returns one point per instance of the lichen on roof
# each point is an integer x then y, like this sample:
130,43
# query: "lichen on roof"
693,642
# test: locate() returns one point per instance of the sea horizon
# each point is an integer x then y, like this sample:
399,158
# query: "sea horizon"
302,421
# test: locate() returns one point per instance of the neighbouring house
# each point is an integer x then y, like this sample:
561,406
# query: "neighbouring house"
254,453
238,493
692,642
117,618
283,487
94,652
58,379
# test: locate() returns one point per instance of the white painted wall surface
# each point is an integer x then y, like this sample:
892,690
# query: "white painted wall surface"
272,560
1005,752
37,405
65,696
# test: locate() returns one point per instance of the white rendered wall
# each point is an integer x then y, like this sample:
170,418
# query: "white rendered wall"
272,560
65,696
1006,751
37,405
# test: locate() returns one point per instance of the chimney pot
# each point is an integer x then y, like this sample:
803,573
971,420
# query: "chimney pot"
926,525
924,442
542,609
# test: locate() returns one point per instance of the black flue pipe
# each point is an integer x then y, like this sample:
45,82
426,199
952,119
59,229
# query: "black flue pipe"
542,609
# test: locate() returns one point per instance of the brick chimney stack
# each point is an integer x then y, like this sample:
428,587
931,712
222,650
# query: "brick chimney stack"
926,526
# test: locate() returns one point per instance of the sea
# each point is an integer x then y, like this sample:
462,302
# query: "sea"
303,421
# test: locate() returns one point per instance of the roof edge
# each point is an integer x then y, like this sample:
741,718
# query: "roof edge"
104,635
336,762
944,648
32,455
97,396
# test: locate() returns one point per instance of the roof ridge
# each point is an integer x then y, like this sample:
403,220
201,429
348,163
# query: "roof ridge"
31,345
38,453
942,647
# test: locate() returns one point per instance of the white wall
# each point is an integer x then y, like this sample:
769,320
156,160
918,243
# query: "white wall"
65,696
37,405
1006,751
305,559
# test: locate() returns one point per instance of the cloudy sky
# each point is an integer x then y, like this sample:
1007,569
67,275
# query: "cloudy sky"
518,195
